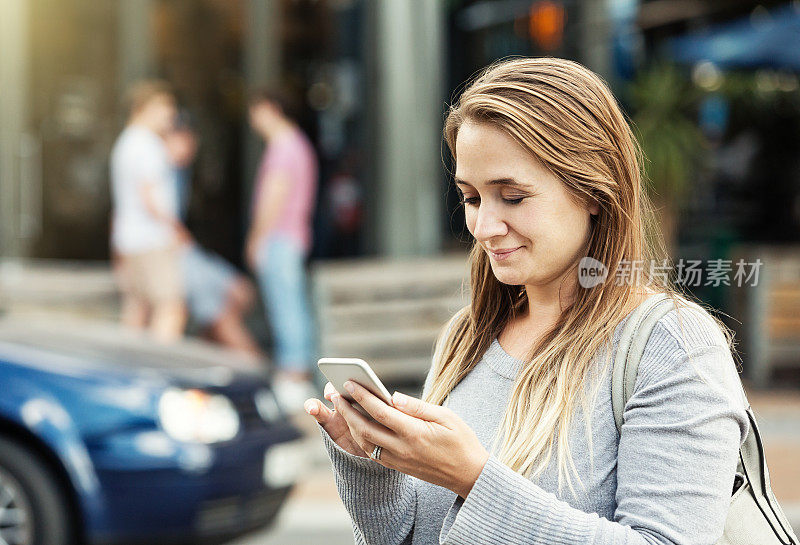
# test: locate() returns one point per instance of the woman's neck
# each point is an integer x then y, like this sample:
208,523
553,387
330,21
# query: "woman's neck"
546,303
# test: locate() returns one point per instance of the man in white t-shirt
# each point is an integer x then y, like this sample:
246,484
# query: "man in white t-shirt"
146,230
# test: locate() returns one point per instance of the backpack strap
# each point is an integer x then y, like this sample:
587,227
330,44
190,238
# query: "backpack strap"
752,461
631,347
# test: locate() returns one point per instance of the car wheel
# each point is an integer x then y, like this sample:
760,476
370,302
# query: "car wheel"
33,508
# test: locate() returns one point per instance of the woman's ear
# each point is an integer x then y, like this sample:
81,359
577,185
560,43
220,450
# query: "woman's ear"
594,207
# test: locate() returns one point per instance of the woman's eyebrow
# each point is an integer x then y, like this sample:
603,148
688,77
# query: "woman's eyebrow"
511,182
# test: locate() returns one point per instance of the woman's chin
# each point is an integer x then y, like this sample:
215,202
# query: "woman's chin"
509,277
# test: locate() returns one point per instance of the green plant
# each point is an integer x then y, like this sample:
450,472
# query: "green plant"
664,100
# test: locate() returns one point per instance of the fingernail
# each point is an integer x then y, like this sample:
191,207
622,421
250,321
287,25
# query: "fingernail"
311,408
399,399
349,386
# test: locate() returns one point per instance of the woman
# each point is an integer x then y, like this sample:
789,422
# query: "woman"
526,450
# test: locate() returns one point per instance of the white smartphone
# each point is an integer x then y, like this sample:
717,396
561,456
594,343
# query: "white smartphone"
340,370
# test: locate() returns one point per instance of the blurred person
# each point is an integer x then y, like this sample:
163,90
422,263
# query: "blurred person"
145,229
527,449
217,295
343,211
181,142
279,240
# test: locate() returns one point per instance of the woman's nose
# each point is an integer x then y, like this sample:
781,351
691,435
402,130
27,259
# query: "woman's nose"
488,223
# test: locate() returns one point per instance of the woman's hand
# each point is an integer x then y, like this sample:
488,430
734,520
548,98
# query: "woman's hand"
426,441
333,423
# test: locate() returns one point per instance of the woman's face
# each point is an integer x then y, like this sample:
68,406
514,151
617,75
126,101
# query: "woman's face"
519,212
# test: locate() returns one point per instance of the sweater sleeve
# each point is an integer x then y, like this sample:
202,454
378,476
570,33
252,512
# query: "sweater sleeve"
676,463
381,501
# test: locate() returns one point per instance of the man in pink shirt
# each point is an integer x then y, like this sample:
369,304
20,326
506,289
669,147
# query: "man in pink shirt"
279,240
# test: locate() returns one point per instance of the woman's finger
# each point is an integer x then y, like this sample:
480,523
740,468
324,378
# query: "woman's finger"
388,458
329,391
420,409
393,419
334,425
318,410
365,432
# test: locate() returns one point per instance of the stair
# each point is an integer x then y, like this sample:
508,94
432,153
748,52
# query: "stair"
387,312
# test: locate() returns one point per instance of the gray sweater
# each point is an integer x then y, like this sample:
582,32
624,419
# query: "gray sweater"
666,479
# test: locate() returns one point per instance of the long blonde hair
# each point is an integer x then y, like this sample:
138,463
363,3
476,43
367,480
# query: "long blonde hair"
567,118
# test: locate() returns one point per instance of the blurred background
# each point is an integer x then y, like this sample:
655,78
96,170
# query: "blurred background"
711,87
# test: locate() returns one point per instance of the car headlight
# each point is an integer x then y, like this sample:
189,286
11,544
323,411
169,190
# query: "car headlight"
197,416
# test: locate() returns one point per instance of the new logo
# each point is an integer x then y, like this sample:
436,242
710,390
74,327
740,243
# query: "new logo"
591,272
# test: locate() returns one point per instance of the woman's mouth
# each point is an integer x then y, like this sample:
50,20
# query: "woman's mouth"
500,255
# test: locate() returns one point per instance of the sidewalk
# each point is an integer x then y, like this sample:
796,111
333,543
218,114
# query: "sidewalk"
778,415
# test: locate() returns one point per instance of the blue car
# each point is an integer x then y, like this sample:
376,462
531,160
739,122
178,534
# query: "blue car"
106,437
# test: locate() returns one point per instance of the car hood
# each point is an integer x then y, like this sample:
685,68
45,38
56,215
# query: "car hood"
75,345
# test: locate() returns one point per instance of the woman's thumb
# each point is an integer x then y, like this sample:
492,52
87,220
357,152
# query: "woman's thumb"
318,410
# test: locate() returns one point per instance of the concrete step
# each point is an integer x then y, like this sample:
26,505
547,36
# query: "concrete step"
395,269
54,287
393,371
361,291
388,280
388,343
399,314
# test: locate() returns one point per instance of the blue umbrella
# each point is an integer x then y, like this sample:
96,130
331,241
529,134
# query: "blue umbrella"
773,42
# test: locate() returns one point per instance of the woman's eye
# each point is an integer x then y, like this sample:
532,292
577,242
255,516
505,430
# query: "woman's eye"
474,200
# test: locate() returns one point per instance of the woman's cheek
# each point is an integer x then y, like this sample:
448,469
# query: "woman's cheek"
469,216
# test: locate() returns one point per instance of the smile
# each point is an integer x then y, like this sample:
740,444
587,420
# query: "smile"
500,256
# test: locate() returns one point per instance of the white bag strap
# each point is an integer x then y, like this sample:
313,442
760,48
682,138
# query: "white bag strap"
752,461
631,347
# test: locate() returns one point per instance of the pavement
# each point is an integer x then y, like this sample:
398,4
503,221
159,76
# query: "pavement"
778,415
314,514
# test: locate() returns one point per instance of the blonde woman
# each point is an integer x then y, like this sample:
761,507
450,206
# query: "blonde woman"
514,441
